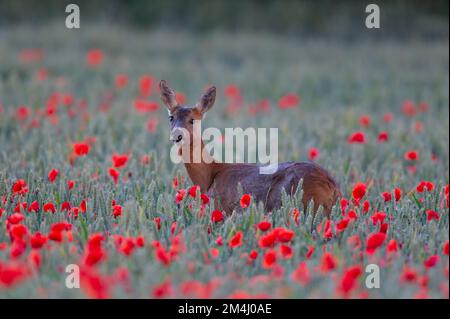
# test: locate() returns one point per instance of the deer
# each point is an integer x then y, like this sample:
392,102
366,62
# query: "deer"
220,180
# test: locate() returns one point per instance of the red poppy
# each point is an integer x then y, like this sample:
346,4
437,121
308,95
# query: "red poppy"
387,196
357,137
412,155
286,251
301,274
269,259
310,251
205,199
359,191
431,261
70,184
52,175
408,108
378,217
94,57
117,211
15,218
264,225
284,235
49,207
408,274
162,256
431,214
236,241
365,120
81,148
328,262
313,153
11,274
115,174
180,195
20,187
37,240
145,85
383,137
216,216
22,113
445,249
245,200
232,91
424,185
121,81
289,100
349,279
388,117
392,246
34,207
397,194
253,254
374,241
119,160
193,191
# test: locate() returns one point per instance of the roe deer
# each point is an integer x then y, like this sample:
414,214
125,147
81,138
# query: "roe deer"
220,180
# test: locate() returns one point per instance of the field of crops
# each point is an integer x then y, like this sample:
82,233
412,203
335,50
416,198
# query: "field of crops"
86,177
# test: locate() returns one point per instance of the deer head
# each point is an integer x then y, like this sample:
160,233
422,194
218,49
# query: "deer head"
181,117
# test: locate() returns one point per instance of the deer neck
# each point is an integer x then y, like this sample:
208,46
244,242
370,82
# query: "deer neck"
202,167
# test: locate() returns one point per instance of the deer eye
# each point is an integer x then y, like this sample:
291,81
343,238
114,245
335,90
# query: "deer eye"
191,121
171,118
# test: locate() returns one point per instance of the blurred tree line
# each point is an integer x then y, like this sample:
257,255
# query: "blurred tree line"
345,18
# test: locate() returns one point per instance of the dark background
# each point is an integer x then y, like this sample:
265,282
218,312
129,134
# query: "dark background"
399,18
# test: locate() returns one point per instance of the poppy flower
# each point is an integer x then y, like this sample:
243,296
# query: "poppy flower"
328,262
37,240
378,217
383,137
397,194
431,214
301,274
52,175
289,100
313,153
15,218
34,207
284,235
267,240
20,187
310,252
205,199
11,274
119,160
269,259
193,191
408,108
94,57
253,254
236,240
408,274
349,279
387,196
49,207
70,184
445,249
431,261
117,211
286,251
216,216
388,117
180,195
121,81
81,148
145,85
374,241
357,138
392,246
365,120
411,155
22,113
162,256
264,225
359,191
115,174
424,185
366,206
157,221
232,91
245,201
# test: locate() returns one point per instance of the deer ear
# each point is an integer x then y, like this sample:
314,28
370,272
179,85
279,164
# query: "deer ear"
168,96
207,100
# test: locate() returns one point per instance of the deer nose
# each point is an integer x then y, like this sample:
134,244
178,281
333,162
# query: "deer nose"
176,135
